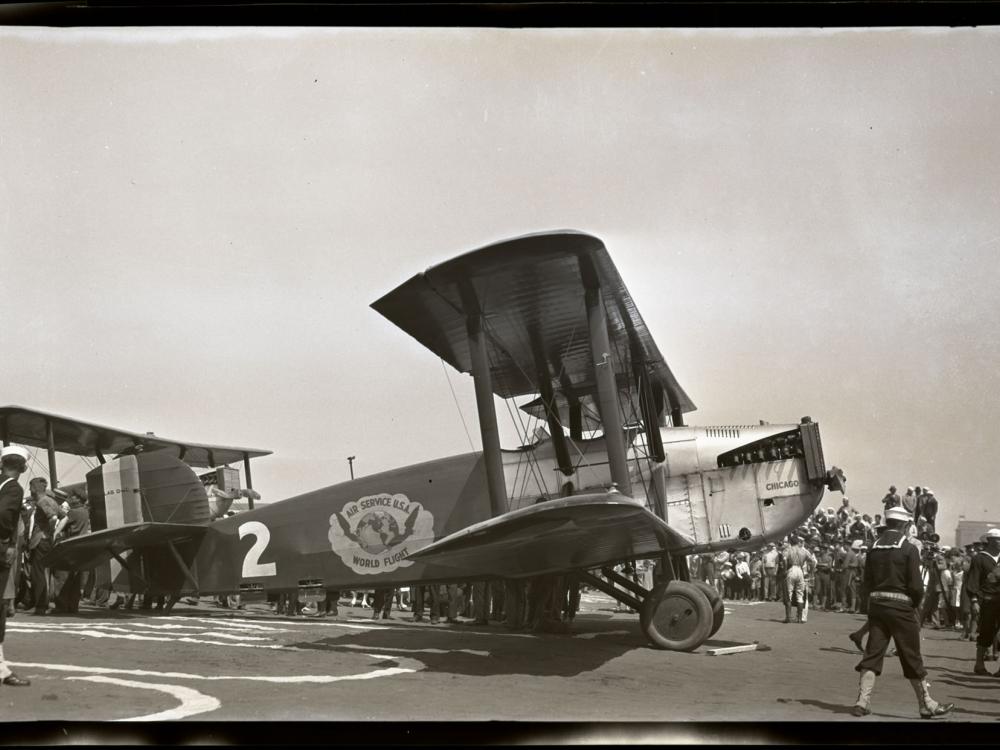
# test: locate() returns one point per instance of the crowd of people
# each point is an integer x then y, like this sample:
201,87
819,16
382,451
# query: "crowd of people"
45,517
833,545
542,603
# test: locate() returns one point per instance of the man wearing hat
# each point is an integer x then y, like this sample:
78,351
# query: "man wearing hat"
796,558
853,569
929,508
13,463
892,578
984,589
891,499
824,584
771,573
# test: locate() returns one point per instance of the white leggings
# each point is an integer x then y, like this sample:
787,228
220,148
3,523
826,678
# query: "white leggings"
795,584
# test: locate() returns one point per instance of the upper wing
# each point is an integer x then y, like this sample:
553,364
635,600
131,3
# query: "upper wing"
531,292
573,533
87,550
29,427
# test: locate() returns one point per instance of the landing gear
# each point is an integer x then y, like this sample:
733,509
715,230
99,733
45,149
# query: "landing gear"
718,606
676,616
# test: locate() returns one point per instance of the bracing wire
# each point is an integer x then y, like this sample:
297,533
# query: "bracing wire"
532,463
461,416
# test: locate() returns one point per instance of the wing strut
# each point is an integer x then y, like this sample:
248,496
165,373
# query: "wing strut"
183,565
50,438
131,572
246,471
551,409
484,401
607,390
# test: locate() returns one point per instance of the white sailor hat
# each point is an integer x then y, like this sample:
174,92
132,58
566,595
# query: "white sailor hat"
928,491
992,534
856,544
897,514
909,489
14,450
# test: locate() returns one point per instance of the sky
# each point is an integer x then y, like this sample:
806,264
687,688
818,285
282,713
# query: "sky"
194,222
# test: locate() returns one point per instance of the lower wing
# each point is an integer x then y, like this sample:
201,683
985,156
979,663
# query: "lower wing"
87,550
572,533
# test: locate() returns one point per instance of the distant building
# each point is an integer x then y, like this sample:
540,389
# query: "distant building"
970,531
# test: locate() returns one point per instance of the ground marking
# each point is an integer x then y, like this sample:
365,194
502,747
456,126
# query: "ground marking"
162,639
469,651
74,627
192,702
406,666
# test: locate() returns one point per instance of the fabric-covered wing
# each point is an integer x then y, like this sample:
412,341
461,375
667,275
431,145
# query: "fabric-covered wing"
573,533
87,550
531,292
29,427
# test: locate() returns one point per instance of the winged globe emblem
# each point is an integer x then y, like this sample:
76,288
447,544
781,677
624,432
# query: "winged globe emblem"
378,531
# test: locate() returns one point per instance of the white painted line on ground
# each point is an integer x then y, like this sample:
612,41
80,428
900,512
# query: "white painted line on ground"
406,666
232,622
192,702
173,626
91,633
470,651
78,627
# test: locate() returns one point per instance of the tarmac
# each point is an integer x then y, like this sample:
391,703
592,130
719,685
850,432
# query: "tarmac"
204,663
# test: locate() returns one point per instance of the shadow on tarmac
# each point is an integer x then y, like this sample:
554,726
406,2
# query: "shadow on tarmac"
834,708
839,650
482,656
484,651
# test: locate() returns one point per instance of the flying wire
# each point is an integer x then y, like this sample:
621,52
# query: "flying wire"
457,406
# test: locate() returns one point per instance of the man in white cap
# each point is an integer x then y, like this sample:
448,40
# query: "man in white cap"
895,587
984,590
796,558
13,463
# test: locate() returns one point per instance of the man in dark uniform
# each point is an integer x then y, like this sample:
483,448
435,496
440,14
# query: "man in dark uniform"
66,583
824,585
895,587
13,460
984,590
929,509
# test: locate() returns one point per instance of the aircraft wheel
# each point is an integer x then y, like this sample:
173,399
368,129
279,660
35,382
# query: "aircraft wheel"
676,616
718,606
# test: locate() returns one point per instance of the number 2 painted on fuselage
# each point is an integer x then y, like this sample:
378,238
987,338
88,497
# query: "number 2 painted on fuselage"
251,567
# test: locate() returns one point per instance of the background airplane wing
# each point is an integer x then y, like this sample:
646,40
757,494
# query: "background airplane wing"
87,550
579,532
532,294
73,436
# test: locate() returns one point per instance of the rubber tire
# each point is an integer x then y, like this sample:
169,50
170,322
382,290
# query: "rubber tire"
677,598
718,606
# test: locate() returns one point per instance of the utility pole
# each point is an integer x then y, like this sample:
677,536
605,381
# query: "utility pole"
350,464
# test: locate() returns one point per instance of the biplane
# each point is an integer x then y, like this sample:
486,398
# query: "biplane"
615,475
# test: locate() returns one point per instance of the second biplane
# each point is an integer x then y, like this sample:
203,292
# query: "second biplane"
617,476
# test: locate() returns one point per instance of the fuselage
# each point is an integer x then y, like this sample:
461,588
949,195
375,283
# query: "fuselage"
721,487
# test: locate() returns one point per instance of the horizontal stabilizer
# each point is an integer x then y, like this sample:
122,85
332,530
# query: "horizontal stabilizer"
88,550
572,533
